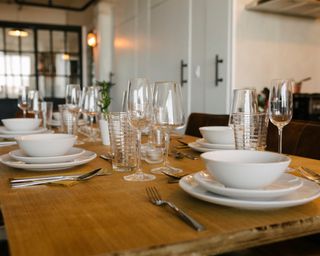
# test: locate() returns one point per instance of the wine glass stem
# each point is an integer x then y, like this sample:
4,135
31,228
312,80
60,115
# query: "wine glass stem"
75,123
166,146
91,126
139,151
280,140
24,113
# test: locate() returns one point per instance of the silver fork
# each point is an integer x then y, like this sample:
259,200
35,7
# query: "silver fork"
309,174
82,177
155,198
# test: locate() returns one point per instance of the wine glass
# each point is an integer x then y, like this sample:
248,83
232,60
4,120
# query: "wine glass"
281,105
73,101
139,113
23,99
168,114
33,103
91,107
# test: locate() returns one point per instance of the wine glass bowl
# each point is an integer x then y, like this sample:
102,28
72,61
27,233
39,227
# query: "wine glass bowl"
281,105
90,106
168,114
34,102
139,107
23,99
73,101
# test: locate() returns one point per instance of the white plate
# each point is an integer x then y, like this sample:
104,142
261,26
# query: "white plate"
12,136
285,185
197,147
206,144
4,130
308,192
72,154
86,157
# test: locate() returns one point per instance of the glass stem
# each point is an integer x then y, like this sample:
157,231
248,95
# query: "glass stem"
280,140
24,113
166,146
139,151
91,126
75,123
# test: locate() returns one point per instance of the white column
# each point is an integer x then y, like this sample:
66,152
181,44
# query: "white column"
103,52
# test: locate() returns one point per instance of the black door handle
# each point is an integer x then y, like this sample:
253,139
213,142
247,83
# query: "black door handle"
217,78
182,66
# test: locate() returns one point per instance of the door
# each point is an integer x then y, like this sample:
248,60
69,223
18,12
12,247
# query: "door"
218,56
169,42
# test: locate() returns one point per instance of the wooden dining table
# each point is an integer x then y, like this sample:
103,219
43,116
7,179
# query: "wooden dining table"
107,215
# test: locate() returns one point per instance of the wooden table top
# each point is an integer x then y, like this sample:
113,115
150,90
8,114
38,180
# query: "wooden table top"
109,216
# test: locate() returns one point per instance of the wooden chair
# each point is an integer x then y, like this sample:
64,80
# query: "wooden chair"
197,120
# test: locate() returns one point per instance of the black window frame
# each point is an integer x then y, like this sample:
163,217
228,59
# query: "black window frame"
35,27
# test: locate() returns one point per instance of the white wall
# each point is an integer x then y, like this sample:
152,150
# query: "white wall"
271,46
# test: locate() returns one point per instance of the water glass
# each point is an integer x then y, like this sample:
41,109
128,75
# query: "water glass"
250,130
46,110
123,142
67,123
244,101
156,146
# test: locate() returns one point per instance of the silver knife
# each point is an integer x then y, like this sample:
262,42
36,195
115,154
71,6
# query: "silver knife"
84,176
47,178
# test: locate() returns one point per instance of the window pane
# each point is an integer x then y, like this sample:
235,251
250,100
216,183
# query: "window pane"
13,65
45,86
27,64
27,43
2,62
61,63
58,41
43,41
1,39
59,87
29,81
72,42
3,88
45,65
12,42
74,80
13,84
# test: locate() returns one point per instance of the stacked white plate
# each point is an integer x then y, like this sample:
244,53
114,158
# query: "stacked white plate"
74,157
287,191
202,145
8,134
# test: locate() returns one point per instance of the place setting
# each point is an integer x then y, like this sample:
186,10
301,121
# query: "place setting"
214,138
253,180
46,152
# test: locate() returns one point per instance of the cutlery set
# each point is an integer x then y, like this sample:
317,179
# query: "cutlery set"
26,182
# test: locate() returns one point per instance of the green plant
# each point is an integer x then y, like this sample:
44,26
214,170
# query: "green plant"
105,94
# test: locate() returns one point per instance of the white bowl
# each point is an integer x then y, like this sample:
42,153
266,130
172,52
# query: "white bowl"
46,144
245,169
217,134
21,124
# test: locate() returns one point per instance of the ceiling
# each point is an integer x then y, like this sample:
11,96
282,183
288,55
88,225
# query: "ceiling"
69,5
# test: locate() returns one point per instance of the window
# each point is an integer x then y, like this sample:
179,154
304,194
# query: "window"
45,58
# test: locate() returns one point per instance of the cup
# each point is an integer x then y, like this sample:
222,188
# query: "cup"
122,141
244,101
67,124
250,130
46,111
156,148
